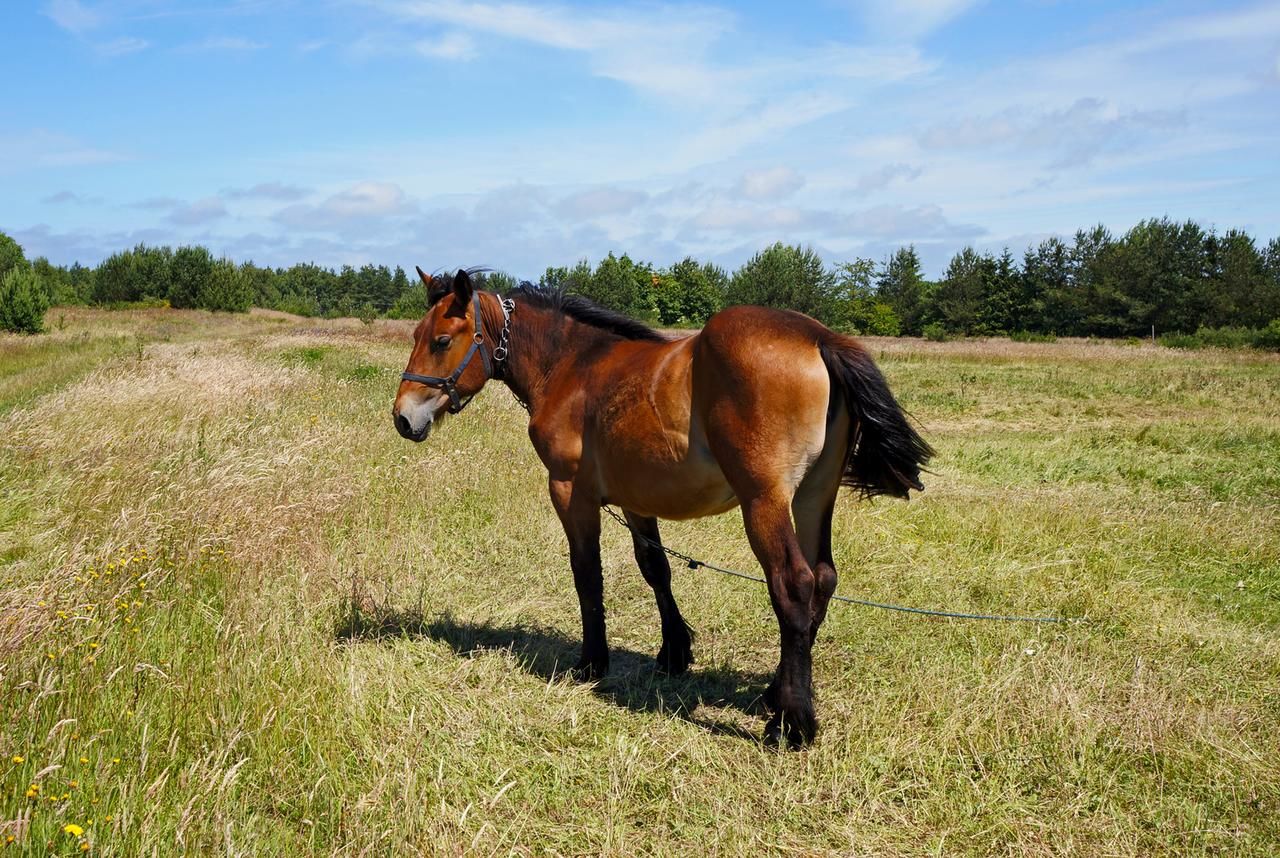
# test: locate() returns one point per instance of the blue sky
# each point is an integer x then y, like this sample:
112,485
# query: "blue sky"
521,135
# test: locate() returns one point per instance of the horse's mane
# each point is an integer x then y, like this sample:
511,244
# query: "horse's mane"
556,299
586,311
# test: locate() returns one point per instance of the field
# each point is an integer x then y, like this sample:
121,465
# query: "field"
239,615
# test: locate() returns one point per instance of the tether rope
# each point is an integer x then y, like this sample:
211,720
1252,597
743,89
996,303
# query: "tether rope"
694,563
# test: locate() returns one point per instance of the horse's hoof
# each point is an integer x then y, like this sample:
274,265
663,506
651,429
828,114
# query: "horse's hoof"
797,729
589,671
674,663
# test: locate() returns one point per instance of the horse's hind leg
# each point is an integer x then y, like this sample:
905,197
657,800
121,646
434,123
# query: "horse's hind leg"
792,586
676,653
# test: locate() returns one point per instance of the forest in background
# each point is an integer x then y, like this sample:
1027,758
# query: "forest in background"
1172,279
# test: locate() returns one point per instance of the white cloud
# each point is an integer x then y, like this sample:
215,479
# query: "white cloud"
40,149
267,191
912,19
226,43
879,179
775,183
121,46
361,202
600,202
201,211
450,46
72,15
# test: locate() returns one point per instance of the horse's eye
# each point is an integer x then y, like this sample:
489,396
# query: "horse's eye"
442,342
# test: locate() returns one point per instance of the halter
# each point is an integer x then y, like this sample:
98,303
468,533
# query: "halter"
449,383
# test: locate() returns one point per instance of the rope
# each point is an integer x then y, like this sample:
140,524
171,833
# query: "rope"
695,564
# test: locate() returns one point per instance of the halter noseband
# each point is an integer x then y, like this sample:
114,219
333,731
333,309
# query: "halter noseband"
449,383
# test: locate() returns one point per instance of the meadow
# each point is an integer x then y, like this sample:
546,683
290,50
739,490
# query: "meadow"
240,615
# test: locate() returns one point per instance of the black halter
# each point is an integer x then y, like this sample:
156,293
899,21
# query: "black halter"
449,384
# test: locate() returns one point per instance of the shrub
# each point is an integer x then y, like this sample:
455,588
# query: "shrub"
1181,341
23,301
935,332
1032,337
1268,337
1227,338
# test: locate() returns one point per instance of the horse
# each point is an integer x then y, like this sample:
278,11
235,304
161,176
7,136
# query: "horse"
763,409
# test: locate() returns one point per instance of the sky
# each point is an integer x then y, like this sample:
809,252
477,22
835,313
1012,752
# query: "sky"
521,135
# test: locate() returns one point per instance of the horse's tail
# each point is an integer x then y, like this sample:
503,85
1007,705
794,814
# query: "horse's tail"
885,451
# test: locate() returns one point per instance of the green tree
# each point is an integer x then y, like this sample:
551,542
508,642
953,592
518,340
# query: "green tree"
620,284
188,271
1096,284
576,279
226,288
263,283
24,299
689,292
1004,306
140,274
962,293
11,255
1047,289
860,308
57,281
901,285
787,277
1239,291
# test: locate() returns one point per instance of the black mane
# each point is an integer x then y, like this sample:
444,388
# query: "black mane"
556,299
586,311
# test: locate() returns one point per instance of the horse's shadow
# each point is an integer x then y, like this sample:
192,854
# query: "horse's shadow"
633,681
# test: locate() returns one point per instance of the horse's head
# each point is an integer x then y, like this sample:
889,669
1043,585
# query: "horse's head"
442,373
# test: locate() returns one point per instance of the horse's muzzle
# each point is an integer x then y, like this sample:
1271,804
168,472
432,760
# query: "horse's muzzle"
406,430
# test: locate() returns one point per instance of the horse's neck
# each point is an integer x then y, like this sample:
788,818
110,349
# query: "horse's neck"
541,340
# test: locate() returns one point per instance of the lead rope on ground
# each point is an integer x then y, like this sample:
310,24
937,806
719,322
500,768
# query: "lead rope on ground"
694,563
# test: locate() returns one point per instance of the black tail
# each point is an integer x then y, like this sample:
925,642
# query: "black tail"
885,452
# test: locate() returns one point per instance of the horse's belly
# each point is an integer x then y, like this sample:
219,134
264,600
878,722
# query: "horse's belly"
690,488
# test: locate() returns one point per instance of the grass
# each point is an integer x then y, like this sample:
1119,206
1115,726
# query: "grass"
241,615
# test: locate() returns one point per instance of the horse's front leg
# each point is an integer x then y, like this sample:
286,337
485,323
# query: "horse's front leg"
579,512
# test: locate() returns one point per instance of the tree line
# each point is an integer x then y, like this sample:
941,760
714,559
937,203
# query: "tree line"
1161,276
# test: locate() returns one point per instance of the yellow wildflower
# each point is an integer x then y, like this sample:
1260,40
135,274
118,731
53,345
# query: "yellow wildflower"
84,759
74,784
116,760
33,791
73,829
84,845
19,759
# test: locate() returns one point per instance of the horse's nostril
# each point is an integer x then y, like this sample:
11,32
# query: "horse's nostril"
402,424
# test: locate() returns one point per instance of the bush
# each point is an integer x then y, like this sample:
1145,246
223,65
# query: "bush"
1032,337
1268,337
1227,338
23,301
935,332
298,305
1180,341
225,288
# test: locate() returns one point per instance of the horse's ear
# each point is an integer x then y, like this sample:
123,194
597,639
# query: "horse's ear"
462,286
425,277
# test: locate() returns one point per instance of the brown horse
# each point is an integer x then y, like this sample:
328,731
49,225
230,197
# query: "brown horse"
764,409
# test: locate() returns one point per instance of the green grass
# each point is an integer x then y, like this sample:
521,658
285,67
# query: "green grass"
326,640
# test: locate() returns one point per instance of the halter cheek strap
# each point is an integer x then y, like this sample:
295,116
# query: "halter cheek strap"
449,383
